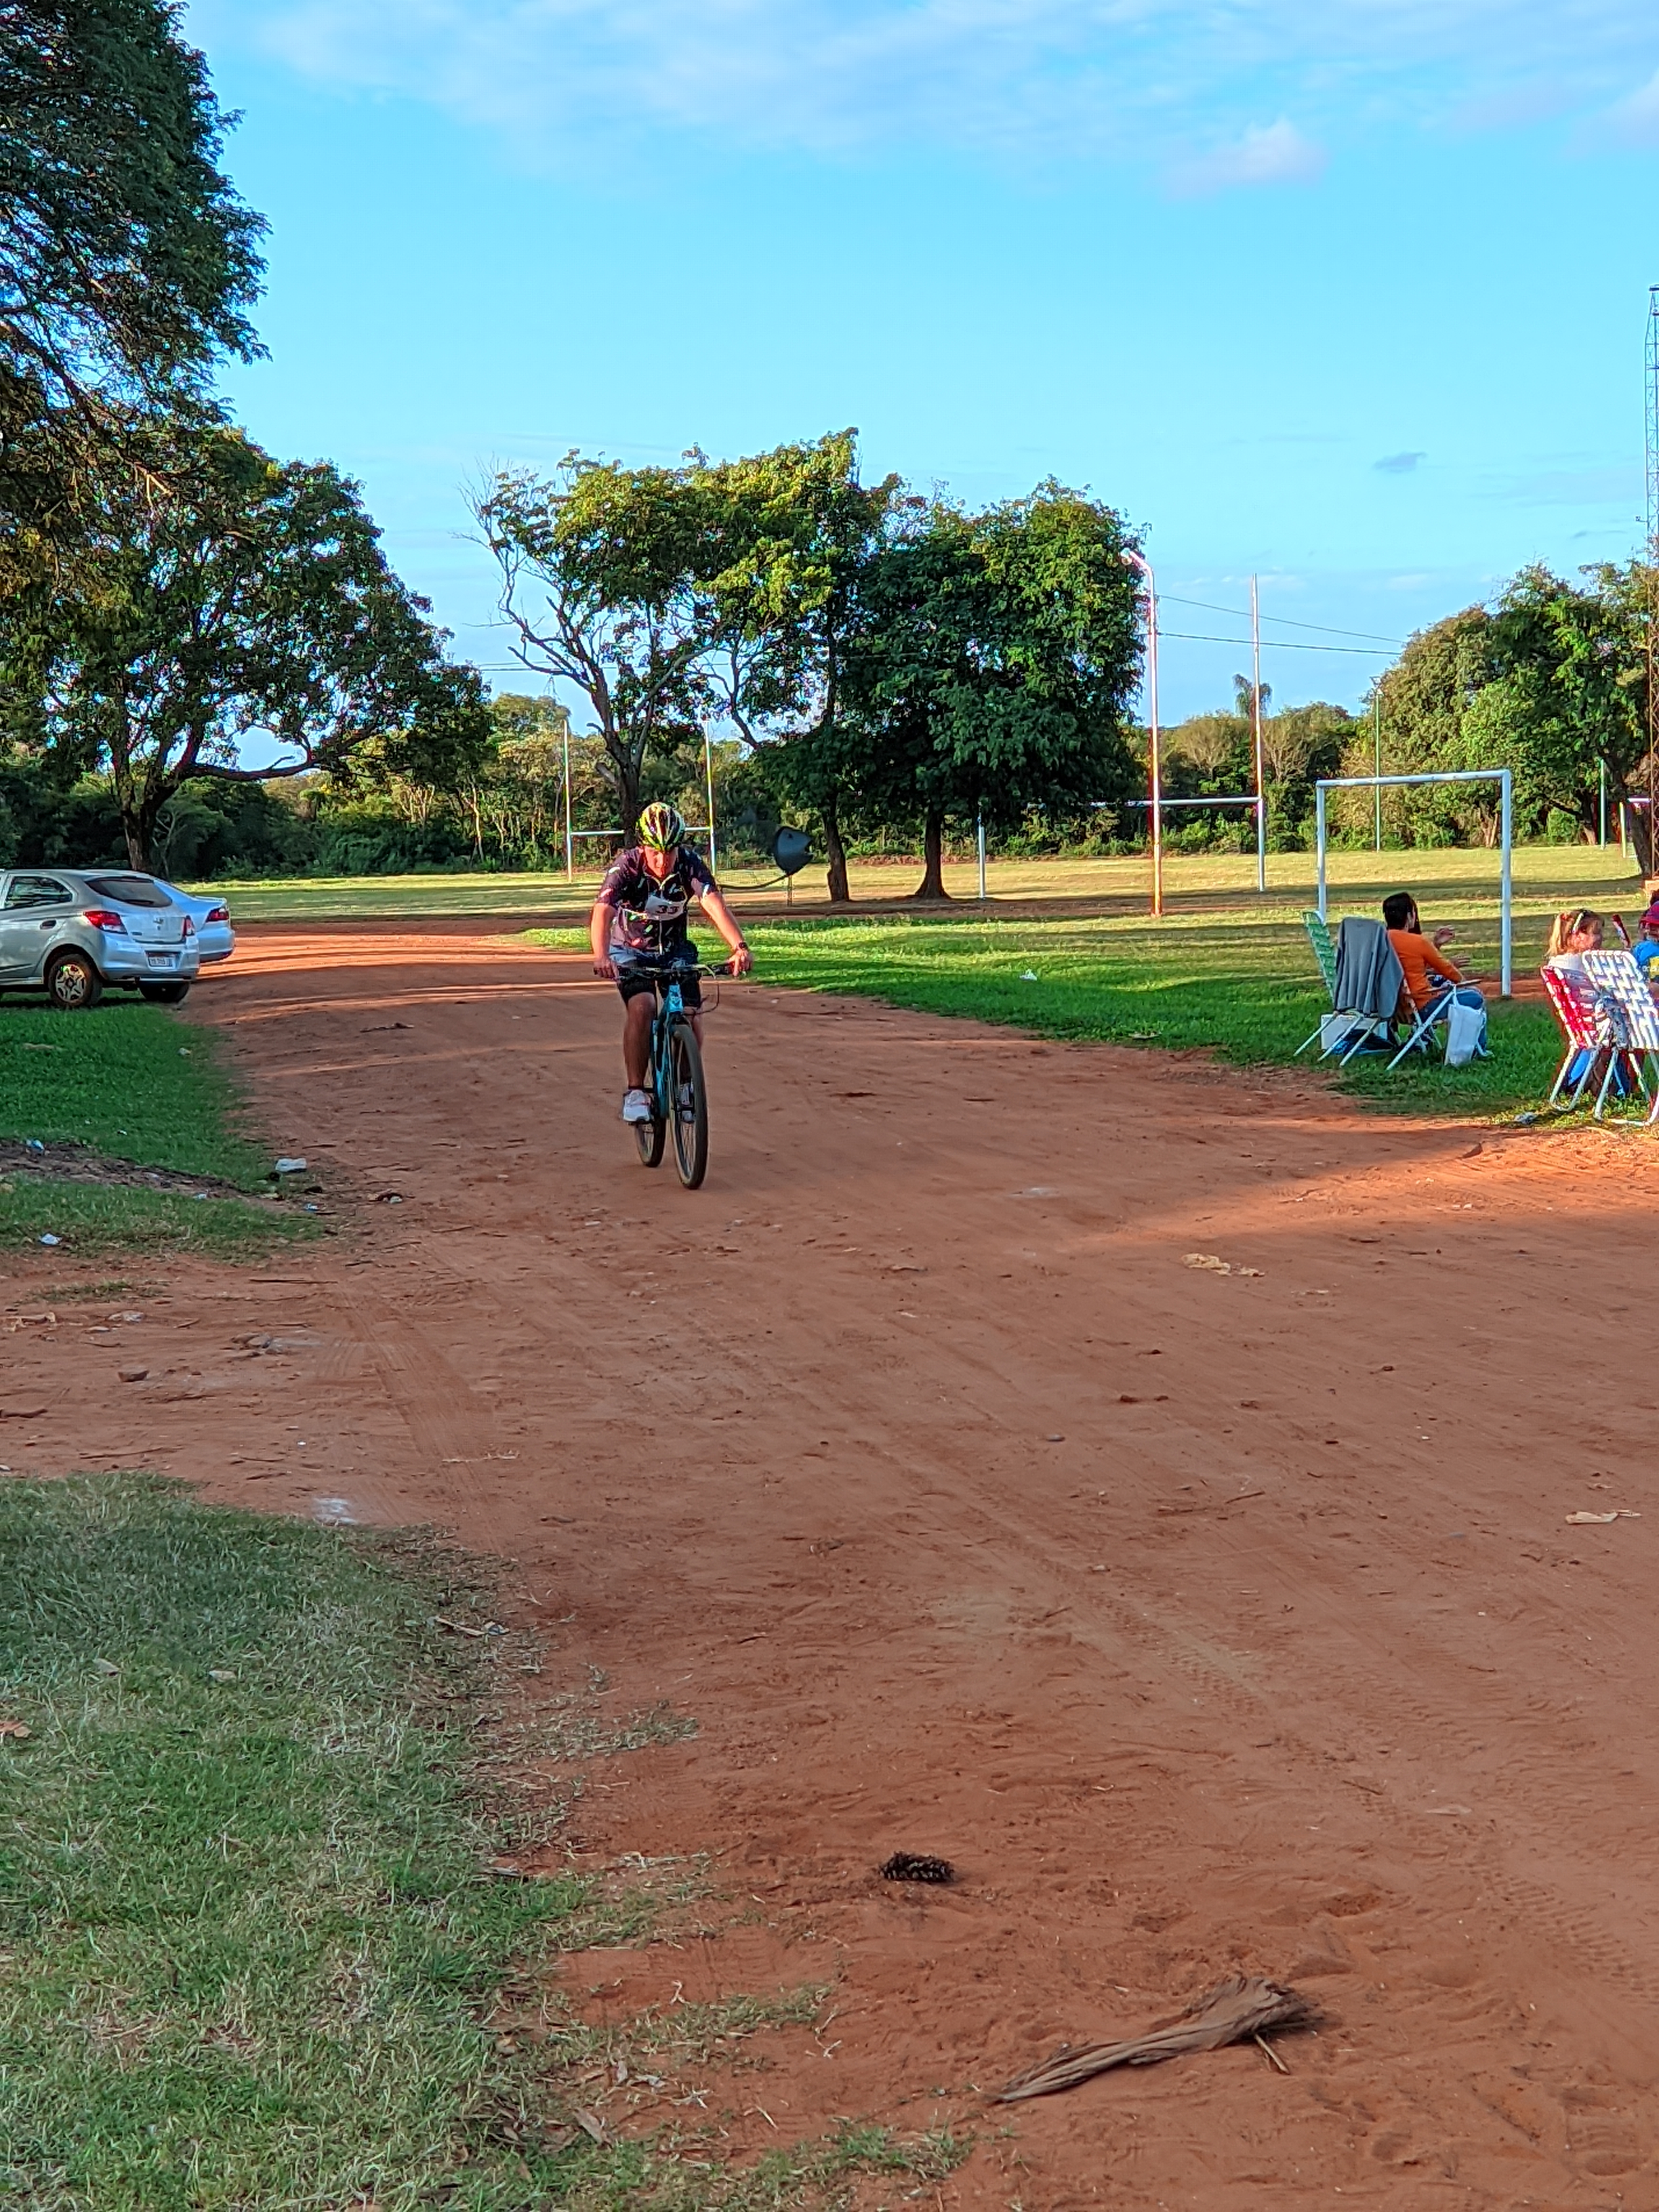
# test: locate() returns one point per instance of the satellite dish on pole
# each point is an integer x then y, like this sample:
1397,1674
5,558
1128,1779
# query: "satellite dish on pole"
792,850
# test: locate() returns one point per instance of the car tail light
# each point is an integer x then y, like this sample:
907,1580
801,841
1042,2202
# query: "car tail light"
103,917
189,929
219,913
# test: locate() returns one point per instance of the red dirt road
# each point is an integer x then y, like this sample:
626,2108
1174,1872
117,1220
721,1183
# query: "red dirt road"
1205,1620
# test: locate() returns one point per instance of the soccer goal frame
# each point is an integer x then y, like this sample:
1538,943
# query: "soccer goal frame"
1502,777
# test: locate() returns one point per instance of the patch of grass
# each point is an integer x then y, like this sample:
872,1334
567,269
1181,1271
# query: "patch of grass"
1245,994
1561,875
132,1082
827,2176
252,1951
91,1217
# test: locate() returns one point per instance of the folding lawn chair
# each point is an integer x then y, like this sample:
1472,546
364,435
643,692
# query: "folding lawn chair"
1574,1008
1325,952
1367,987
1627,1020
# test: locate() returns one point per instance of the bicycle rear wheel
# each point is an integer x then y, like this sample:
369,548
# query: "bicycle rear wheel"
689,1103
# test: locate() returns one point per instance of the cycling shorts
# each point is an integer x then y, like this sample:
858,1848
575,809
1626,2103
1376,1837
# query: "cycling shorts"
641,978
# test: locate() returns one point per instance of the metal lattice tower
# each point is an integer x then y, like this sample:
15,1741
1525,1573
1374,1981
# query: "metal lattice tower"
1652,578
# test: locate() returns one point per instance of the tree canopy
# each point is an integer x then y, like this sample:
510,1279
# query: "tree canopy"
232,597
1550,681
991,667
127,262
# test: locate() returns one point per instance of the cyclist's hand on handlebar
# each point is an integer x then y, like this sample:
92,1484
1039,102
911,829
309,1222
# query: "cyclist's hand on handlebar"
741,961
607,969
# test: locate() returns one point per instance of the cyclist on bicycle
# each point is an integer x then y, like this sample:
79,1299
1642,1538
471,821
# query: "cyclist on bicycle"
637,929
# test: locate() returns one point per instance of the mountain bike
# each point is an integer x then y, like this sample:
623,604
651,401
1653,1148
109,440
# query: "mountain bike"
673,1080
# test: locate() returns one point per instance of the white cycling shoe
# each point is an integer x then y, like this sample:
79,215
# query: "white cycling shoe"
636,1107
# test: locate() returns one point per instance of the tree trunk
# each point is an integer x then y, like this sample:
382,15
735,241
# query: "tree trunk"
839,894
1638,821
932,886
140,812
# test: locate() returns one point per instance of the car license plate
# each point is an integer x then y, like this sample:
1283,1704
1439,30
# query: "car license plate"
163,959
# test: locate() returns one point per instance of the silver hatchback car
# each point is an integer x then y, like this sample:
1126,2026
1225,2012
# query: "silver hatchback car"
72,933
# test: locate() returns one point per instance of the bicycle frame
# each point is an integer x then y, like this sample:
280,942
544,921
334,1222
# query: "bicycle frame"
671,1008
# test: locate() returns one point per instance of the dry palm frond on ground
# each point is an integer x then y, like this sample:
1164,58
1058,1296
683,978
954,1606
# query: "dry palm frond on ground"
1232,2012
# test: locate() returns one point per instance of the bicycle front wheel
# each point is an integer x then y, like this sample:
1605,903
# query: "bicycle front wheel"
651,1136
689,1103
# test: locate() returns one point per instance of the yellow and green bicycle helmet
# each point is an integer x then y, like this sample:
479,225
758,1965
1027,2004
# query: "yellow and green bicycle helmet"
662,827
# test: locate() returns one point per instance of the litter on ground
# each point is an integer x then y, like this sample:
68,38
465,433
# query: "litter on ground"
1237,2010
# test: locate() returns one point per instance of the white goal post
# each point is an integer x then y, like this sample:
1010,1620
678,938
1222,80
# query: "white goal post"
1504,779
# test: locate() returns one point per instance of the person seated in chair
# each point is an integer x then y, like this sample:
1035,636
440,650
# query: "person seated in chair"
1645,951
1572,934
1431,978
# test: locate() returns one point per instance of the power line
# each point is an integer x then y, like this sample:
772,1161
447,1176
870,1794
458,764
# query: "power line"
1279,644
1287,621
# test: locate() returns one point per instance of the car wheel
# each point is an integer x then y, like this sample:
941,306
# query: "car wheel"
165,994
73,983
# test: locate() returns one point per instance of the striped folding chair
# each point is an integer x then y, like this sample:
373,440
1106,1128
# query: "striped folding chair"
1626,1021
1574,1008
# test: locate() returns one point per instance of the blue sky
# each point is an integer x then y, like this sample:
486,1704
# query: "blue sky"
1348,295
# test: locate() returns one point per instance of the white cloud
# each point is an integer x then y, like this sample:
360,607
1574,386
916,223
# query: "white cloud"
1636,118
1270,154
1052,80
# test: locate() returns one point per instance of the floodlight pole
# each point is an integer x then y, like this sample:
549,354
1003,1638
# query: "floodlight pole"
1506,830
708,782
569,843
1256,722
981,827
1139,562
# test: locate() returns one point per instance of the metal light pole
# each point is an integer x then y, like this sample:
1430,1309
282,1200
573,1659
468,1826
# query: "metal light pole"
1377,759
1255,725
1140,562
708,783
569,843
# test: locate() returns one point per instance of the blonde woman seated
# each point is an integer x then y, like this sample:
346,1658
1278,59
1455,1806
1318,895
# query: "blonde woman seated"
1572,934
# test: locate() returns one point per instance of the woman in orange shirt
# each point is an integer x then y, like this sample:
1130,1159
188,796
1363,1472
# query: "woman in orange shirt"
1431,977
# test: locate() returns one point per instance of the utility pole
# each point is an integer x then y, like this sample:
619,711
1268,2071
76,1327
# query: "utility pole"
1155,775
1377,758
569,840
1140,562
1255,732
1652,551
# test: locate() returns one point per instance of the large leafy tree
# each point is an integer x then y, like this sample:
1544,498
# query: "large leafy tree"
603,574
127,262
1550,681
229,597
796,532
992,667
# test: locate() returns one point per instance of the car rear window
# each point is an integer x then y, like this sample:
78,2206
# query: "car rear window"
130,891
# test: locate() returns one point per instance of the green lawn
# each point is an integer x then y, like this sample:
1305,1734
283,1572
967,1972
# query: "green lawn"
252,1952
1224,970
130,1083
1544,874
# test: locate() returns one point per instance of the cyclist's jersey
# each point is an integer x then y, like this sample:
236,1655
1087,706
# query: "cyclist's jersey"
649,912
